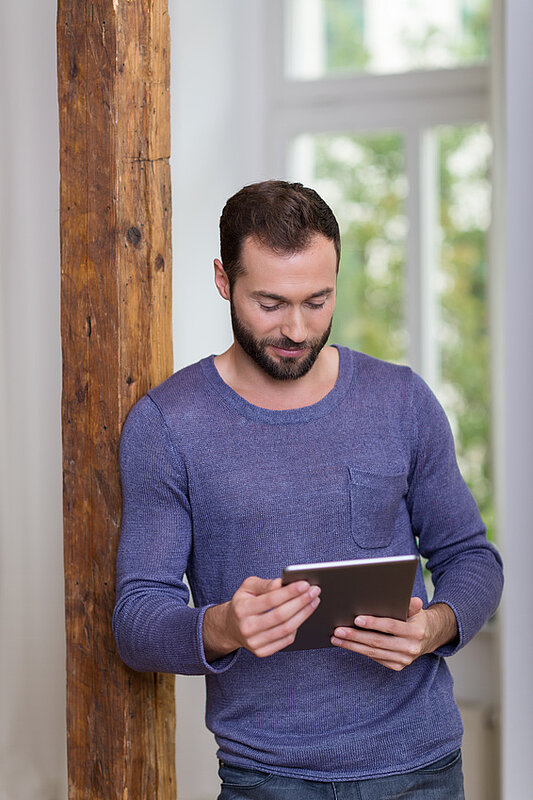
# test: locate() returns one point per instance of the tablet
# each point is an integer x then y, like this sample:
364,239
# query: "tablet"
380,587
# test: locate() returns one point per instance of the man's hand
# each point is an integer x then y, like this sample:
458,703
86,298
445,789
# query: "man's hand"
396,644
262,616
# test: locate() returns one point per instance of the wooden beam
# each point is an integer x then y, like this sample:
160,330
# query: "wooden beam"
113,76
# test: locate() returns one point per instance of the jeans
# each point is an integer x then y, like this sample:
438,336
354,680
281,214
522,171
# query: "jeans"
442,780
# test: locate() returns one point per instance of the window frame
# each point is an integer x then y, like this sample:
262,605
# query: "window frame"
409,104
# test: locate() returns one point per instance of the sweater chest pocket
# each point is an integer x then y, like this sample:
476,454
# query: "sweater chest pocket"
374,504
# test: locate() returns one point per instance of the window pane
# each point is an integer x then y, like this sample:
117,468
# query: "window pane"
363,179
326,37
464,156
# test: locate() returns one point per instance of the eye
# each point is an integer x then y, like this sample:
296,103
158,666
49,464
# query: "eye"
270,308
316,306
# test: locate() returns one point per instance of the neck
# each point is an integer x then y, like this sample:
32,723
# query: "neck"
252,383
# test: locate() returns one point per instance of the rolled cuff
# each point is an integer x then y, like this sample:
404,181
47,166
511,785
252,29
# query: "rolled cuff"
219,665
450,648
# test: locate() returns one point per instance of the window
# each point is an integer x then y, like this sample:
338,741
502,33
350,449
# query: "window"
328,37
383,107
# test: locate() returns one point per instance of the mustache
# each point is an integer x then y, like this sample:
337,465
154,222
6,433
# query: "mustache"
286,344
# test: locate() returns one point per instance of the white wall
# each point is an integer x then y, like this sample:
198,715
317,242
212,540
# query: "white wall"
517,514
32,674
217,147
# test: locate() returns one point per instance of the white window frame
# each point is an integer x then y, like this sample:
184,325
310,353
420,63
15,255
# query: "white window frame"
409,104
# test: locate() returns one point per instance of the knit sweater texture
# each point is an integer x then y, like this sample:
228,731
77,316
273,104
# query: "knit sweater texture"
220,489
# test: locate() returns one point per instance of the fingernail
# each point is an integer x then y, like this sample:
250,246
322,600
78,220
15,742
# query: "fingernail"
361,621
314,591
315,602
340,632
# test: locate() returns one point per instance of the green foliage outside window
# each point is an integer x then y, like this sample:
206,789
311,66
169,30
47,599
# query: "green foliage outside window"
464,167
419,41
363,178
345,46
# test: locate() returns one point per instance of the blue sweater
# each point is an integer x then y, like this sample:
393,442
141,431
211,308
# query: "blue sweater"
220,489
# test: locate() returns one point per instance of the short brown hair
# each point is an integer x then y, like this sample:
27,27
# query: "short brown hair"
282,216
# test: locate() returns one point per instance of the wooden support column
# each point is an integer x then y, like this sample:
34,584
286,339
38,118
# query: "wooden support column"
113,74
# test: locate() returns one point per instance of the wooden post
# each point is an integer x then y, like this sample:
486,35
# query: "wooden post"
113,75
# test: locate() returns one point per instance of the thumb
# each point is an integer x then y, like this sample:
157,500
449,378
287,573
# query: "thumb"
415,606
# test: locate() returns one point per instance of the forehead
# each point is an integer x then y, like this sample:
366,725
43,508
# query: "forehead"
312,269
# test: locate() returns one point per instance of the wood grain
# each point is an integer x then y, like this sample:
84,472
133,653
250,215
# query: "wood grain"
113,85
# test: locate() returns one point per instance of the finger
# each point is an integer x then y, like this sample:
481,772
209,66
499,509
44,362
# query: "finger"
269,648
261,603
288,618
378,642
383,656
388,625
395,627
396,666
271,584
279,636
293,608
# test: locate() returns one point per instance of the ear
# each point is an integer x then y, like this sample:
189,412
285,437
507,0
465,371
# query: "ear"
221,280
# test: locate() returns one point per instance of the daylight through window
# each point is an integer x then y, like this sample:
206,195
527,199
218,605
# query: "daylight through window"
383,107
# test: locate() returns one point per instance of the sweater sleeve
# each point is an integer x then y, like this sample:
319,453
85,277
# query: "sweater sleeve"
465,568
154,627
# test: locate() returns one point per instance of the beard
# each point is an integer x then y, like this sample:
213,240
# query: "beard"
284,368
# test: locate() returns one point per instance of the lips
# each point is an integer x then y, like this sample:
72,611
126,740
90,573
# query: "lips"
289,353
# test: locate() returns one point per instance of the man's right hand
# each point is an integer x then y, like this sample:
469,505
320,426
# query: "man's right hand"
262,616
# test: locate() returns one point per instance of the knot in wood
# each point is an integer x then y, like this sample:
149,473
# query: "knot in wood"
81,393
134,236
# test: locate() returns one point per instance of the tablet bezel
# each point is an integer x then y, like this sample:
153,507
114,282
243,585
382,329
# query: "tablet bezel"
379,587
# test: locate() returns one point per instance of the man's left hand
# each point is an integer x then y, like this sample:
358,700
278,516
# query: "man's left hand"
396,644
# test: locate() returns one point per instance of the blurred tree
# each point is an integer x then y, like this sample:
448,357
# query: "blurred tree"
345,27
464,173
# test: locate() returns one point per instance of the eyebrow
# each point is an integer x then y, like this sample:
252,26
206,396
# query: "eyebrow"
279,297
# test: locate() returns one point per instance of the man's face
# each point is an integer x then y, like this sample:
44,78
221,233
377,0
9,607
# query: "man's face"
282,306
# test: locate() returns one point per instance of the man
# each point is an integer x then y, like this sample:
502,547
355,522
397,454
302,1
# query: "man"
285,450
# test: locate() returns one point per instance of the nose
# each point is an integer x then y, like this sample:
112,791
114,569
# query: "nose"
294,326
